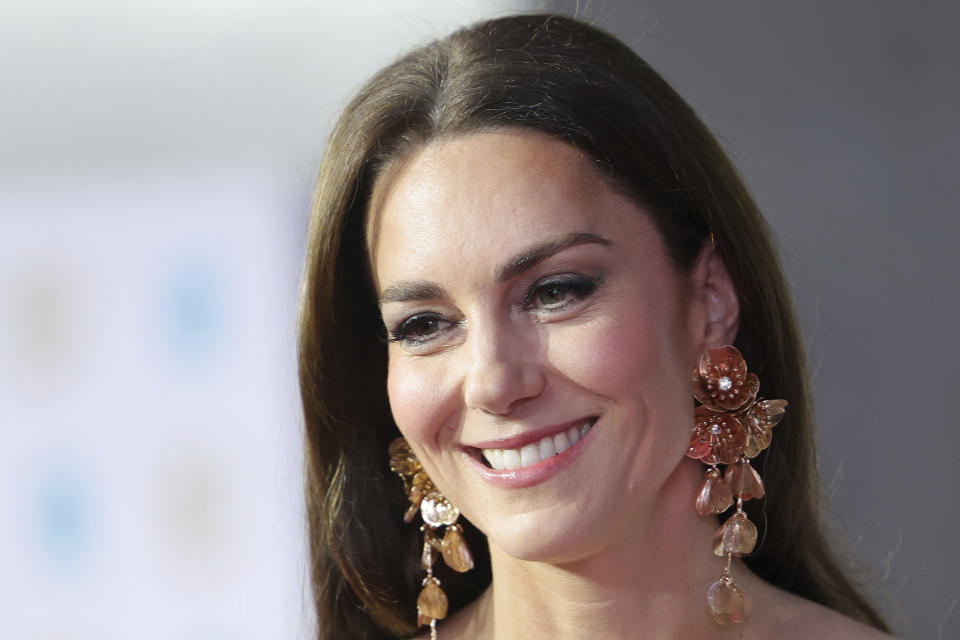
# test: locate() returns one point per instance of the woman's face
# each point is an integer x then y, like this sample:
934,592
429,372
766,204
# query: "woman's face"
528,306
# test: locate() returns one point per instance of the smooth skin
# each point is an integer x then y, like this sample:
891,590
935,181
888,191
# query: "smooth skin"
522,293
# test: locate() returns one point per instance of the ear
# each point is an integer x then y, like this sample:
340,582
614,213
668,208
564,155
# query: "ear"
714,289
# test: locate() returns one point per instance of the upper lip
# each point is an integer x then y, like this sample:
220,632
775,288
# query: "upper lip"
527,437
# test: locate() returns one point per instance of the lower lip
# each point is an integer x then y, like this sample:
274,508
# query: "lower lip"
534,474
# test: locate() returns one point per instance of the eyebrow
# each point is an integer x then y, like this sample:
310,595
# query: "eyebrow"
537,253
526,259
410,291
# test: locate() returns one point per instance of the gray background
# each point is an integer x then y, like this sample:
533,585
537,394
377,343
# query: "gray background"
842,117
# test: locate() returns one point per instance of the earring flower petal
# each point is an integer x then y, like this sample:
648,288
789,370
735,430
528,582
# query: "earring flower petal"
721,381
717,438
759,420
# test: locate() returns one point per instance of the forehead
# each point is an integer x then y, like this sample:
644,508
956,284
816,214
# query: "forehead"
485,195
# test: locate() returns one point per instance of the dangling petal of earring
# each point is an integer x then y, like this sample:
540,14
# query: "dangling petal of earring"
456,553
715,495
730,427
437,512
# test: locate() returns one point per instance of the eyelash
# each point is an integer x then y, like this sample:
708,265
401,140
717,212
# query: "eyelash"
403,331
579,286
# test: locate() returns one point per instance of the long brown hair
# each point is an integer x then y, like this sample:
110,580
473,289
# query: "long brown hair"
581,85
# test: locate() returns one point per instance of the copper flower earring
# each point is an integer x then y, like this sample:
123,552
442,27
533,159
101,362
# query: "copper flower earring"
730,427
437,512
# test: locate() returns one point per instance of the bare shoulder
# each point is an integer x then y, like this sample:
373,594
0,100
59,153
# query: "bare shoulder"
794,618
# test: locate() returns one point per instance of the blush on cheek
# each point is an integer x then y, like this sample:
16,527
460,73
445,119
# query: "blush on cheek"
611,358
402,392
414,402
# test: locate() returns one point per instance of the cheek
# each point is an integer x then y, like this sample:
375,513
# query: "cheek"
616,354
414,399
635,360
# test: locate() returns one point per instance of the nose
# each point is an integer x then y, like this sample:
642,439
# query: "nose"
503,368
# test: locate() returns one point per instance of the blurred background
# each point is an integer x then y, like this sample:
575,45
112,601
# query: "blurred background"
156,163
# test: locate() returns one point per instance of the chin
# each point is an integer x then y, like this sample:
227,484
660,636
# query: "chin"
546,536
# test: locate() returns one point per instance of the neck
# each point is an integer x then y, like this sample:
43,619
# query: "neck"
651,582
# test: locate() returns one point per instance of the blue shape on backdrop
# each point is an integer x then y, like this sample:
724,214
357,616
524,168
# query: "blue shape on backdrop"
63,517
194,310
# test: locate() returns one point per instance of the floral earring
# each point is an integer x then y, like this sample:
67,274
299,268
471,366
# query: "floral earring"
437,512
730,427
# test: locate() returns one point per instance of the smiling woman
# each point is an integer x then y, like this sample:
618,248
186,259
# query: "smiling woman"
551,296
522,241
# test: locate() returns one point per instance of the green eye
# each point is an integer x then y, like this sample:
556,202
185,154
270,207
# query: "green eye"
423,327
552,295
419,328
557,292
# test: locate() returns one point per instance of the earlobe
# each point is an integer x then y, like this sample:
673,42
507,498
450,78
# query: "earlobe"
719,296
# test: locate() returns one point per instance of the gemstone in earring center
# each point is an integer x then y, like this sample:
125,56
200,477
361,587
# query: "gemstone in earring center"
724,383
438,511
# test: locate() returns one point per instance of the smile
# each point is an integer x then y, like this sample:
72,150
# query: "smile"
543,449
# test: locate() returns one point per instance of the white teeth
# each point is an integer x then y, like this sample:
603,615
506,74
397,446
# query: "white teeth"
547,449
494,457
536,451
561,442
529,455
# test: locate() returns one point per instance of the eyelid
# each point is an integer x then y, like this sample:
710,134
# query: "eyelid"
582,284
399,313
399,327
401,334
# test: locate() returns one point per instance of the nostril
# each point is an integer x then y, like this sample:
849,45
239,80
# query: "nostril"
495,388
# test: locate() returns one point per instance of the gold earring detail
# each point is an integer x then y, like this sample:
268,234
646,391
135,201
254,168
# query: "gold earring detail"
437,512
730,427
